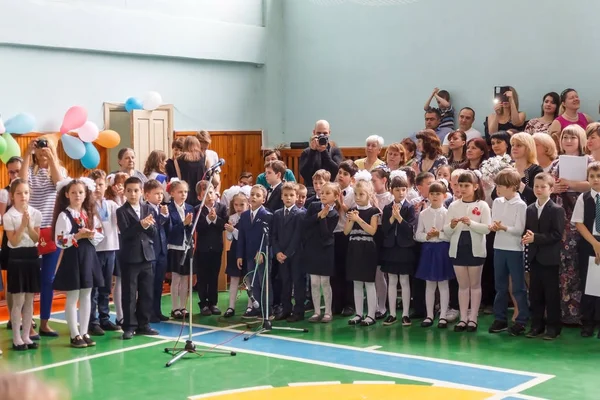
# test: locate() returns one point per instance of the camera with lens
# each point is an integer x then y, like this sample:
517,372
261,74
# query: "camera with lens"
322,139
41,143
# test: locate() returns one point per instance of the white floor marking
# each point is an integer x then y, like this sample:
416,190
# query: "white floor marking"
372,347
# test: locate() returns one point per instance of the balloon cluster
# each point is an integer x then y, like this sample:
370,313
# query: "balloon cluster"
81,147
150,101
19,124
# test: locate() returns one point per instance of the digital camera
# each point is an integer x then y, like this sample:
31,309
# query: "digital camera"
41,143
322,140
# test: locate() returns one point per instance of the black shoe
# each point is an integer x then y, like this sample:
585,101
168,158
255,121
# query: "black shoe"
215,310
251,313
516,329
176,314
472,326
281,316
460,327
587,331
206,311
146,330
88,340
427,322
78,342
368,321
19,347
390,320
230,312
348,311
406,321
295,317
534,332
109,326
163,317
551,334
95,330
498,326
380,315
32,346
356,320
442,323
48,333
127,335
35,337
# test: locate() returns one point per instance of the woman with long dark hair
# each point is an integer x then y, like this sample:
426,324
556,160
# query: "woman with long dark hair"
431,152
191,167
477,153
457,148
550,105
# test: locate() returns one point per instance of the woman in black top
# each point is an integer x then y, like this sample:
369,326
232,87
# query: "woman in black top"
506,115
190,167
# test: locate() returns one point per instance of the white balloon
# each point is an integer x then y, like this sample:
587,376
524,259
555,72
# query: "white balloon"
2,128
151,100
88,132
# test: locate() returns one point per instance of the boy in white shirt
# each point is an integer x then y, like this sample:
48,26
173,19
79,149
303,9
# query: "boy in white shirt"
508,221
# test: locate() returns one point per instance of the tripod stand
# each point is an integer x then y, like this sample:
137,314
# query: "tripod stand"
190,347
266,325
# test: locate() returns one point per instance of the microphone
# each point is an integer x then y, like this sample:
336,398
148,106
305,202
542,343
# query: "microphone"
218,164
252,299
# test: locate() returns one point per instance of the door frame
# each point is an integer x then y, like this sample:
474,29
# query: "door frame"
169,108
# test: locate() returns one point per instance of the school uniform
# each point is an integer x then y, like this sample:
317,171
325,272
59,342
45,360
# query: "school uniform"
24,263
106,251
342,289
137,255
468,243
251,229
273,202
587,212
4,198
315,198
318,253
397,252
231,269
159,266
209,249
547,222
178,236
361,260
286,238
434,262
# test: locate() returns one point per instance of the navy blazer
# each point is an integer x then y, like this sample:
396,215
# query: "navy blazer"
274,202
324,227
177,228
547,233
137,243
399,234
209,237
251,233
162,228
287,232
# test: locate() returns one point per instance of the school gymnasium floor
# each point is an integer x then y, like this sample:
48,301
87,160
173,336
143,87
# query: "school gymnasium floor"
332,361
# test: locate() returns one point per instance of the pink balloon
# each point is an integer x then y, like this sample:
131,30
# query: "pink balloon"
88,132
75,117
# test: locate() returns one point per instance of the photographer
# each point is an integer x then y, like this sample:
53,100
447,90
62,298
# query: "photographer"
321,154
42,170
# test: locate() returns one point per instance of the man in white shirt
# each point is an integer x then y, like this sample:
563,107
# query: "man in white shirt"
466,117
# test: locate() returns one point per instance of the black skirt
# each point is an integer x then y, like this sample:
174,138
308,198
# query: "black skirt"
464,252
23,270
232,269
174,262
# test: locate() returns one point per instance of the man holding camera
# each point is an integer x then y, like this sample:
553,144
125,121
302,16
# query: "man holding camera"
320,155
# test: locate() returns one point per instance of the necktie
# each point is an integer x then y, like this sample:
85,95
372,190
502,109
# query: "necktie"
251,217
287,212
597,212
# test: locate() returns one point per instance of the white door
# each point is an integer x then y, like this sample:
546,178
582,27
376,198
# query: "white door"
151,130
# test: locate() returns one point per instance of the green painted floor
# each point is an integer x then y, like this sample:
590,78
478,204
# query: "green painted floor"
111,371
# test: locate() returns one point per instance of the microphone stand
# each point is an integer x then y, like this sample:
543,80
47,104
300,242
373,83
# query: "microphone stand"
190,347
266,325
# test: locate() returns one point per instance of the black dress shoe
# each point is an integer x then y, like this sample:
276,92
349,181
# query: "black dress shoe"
48,333
127,335
95,330
295,317
281,316
146,330
229,313
32,346
19,347
534,332
109,326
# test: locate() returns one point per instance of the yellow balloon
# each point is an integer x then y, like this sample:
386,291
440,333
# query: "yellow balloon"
108,139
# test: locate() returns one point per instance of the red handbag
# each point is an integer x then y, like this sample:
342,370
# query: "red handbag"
46,244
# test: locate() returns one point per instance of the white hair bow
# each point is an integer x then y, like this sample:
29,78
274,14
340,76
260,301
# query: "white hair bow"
363,175
89,183
398,173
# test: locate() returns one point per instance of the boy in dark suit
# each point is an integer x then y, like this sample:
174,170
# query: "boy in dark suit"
544,227
137,226
209,247
285,237
320,177
587,220
154,194
250,234
274,171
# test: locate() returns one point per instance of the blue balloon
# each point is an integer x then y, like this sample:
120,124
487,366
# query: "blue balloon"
133,103
20,123
73,146
91,159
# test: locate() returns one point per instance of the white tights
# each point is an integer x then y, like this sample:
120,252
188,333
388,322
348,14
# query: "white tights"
234,283
118,298
318,282
179,290
469,288
430,297
393,293
359,298
22,305
381,287
85,307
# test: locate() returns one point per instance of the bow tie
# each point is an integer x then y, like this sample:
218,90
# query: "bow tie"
269,190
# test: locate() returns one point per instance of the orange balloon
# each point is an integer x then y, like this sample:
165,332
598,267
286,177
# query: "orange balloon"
108,139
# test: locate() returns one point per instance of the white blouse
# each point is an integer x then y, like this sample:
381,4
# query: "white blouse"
233,220
12,222
63,236
481,218
430,218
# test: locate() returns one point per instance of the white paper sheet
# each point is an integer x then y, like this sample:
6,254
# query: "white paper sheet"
592,284
573,168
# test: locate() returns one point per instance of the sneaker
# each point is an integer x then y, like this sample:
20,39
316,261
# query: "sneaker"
534,332
95,330
206,311
406,321
86,338
498,326
390,320
452,315
516,329
78,342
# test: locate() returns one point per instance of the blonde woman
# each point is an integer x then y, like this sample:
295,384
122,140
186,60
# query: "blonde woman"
546,150
524,153
374,144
